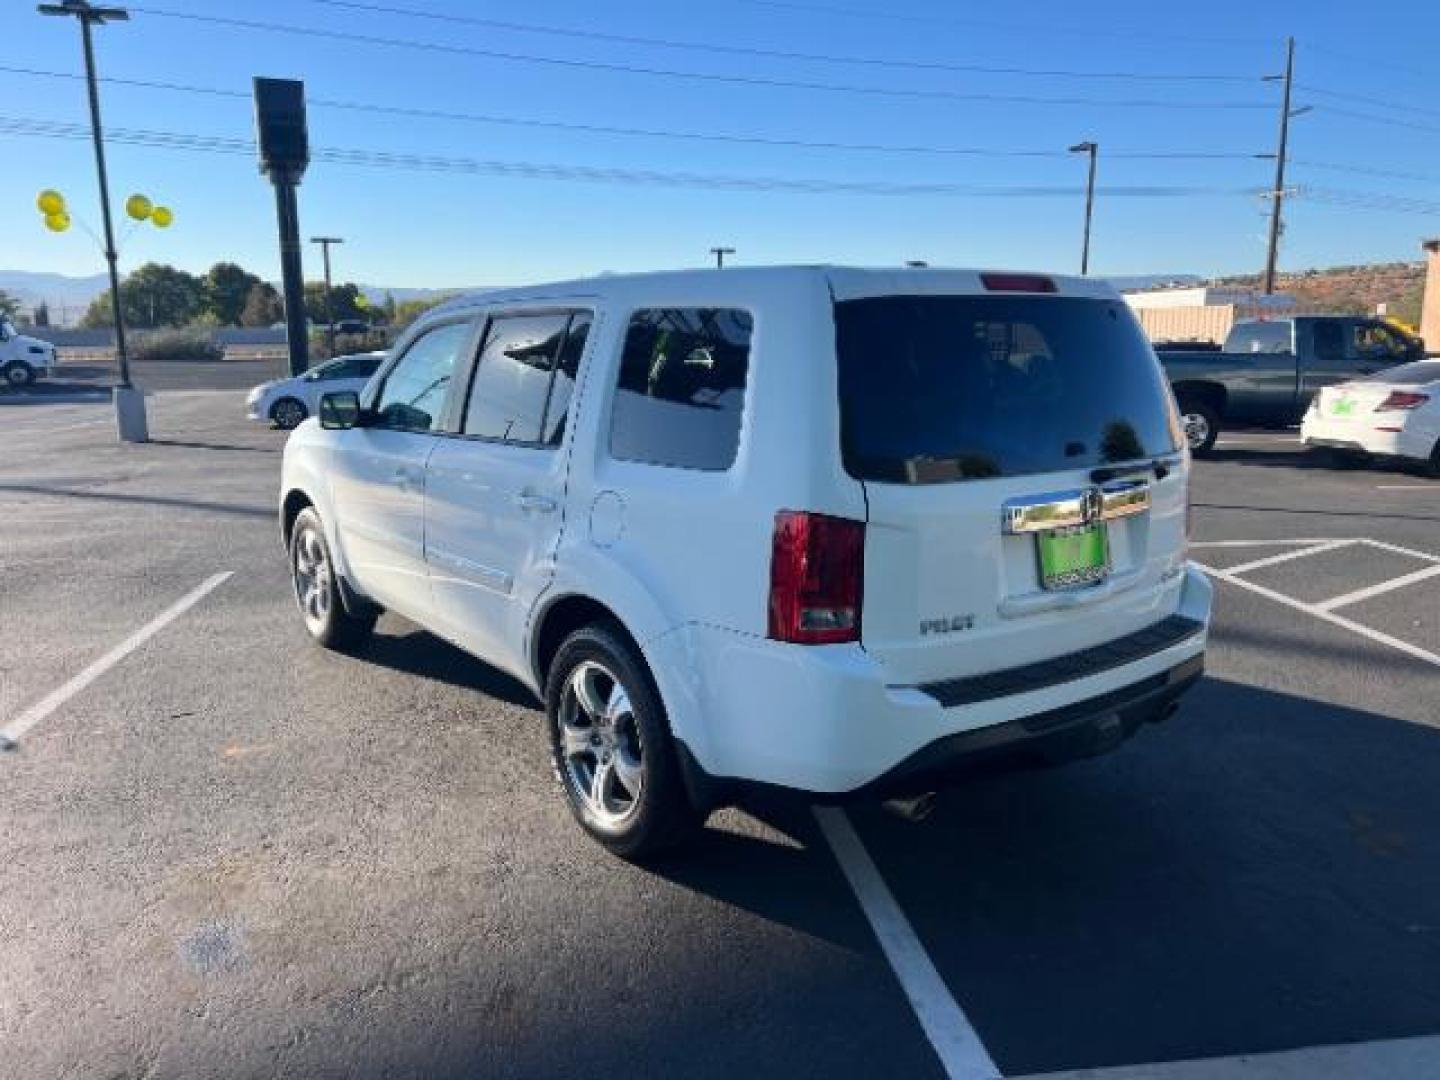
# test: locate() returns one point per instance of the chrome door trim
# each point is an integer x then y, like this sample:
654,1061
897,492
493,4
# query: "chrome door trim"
485,576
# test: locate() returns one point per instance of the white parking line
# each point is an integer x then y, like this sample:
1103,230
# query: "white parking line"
1385,1059
1273,560
1261,543
1323,615
1378,590
1408,487
10,736
951,1036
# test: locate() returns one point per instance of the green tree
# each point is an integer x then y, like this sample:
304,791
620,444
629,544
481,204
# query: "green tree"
407,311
153,295
345,302
387,309
9,305
262,306
227,286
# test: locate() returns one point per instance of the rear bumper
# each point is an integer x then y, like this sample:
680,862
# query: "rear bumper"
823,720
1365,438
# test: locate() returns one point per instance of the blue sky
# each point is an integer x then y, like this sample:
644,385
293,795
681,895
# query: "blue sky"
437,229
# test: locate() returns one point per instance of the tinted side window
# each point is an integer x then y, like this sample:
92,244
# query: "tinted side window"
512,379
413,397
566,372
681,387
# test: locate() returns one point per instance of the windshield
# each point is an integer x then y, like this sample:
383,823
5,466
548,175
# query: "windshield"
959,388
1423,371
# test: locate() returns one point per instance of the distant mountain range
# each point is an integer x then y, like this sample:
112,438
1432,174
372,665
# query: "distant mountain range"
68,297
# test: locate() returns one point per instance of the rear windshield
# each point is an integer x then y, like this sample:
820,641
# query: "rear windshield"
941,388
1417,374
1260,337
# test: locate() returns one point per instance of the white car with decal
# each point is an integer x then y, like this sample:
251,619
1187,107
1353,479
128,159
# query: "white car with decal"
1394,414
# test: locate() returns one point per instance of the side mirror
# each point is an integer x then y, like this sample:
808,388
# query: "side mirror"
341,410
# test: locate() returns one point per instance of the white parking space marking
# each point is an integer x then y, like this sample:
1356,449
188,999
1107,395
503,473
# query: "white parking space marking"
961,1053
1245,436
10,736
1330,545
1323,615
1261,543
1377,590
1388,1059
1408,487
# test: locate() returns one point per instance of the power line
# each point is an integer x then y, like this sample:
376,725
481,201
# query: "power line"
1364,100
1388,65
1392,121
1365,170
701,76
984,24
1370,200
532,170
654,133
769,53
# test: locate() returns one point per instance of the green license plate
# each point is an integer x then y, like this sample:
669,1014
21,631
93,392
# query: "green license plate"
1073,557
1342,407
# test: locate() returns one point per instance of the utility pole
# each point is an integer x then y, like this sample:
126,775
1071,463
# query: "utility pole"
283,138
720,253
325,242
130,422
1277,195
1091,148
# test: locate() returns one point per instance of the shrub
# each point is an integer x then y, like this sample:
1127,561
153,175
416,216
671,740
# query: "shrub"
178,345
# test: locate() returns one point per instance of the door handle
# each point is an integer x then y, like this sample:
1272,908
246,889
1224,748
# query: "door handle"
535,504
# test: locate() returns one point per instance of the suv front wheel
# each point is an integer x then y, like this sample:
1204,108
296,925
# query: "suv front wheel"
317,588
611,747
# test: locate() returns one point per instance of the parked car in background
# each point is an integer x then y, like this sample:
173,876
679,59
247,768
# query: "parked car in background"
1269,370
352,326
287,402
1395,414
842,531
23,359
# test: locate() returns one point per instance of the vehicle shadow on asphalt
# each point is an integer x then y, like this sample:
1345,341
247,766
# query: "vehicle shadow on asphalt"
1311,461
151,500
418,652
1260,873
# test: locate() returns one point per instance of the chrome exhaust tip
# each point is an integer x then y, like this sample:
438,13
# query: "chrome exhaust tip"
915,808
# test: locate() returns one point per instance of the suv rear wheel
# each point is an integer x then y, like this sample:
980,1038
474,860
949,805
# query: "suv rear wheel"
317,588
611,748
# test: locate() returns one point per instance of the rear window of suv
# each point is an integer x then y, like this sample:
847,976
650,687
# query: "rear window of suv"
943,388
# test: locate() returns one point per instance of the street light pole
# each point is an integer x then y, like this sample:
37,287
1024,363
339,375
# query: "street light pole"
325,242
129,402
1092,149
720,253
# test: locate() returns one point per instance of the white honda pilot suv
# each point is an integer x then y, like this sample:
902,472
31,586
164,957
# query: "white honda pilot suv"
837,530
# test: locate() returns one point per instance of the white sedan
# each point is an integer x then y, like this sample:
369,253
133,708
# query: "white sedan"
287,402
1393,414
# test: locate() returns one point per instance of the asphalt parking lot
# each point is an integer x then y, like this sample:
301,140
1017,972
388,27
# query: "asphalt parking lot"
230,854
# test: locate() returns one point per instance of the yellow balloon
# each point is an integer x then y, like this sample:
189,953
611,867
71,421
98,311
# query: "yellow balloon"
162,216
50,202
57,222
138,207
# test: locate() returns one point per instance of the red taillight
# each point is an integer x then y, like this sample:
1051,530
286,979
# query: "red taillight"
1017,283
1402,399
817,568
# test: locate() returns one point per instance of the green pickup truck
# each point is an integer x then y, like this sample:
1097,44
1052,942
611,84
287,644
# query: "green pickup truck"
1268,370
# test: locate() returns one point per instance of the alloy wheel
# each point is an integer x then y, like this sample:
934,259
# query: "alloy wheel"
312,579
600,744
1197,429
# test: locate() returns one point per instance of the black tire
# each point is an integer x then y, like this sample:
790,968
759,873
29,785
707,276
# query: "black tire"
1432,467
660,816
288,413
317,589
1200,422
16,375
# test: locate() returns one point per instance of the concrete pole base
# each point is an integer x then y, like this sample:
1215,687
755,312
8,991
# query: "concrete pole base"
130,422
